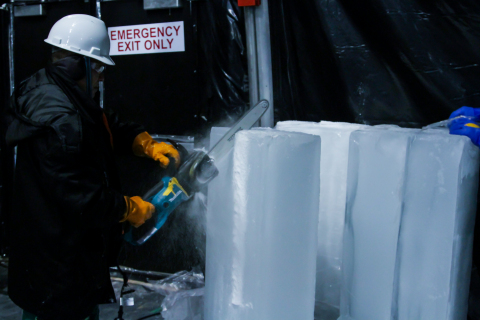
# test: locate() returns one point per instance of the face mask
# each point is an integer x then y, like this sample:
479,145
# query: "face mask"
74,66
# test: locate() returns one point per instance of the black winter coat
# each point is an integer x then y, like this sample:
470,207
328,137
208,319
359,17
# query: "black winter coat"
64,228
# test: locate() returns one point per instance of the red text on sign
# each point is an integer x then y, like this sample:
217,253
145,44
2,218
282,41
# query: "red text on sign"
128,45
158,44
131,34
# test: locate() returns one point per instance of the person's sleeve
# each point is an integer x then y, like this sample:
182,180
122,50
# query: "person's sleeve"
123,133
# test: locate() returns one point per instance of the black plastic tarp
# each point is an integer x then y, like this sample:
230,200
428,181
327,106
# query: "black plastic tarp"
409,62
223,61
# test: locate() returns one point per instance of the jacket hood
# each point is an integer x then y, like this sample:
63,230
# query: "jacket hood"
73,66
50,100
33,108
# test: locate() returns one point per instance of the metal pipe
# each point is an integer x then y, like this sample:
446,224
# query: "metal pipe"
11,37
99,10
152,286
251,55
264,56
101,87
141,272
11,63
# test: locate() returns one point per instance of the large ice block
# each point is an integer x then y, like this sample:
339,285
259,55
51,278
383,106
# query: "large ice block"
333,191
375,186
435,243
261,228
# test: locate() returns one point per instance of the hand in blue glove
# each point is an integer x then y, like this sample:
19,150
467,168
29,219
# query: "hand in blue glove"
465,126
472,113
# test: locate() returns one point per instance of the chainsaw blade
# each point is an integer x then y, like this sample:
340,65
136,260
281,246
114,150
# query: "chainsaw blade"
246,122
199,168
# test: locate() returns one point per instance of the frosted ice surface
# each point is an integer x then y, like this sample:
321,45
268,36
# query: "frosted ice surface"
435,243
410,208
411,202
295,123
376,173
439,130
340,124
261,228
386,126
333,192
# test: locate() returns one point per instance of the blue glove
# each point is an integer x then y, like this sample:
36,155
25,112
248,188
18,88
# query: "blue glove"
464,126
473,113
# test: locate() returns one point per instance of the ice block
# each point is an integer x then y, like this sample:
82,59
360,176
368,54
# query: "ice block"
435,243
375,186
333,191
262,228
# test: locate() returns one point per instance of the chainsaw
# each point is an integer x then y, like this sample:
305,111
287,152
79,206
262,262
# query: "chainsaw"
196,171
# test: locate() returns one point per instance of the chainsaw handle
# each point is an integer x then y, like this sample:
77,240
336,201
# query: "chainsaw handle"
170,171
166,200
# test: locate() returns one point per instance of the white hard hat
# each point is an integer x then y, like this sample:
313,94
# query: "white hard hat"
82,34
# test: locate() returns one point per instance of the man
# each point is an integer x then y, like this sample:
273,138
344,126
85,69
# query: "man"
65,226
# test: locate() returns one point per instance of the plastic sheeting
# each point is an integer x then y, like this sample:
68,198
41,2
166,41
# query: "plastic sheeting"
223,54
408,62
183,293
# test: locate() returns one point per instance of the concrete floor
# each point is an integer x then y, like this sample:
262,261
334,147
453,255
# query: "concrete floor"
146,303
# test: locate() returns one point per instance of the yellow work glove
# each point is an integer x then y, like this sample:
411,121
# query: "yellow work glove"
144,145
138,211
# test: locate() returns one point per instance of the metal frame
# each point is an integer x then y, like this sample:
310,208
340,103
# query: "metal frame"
11,38
257,24
30,10
8,155
11,63
162,4
98,13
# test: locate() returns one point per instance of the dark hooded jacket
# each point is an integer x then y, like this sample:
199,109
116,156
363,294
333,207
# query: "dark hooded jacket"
64,228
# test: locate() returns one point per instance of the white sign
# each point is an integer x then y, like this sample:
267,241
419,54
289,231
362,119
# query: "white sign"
147,38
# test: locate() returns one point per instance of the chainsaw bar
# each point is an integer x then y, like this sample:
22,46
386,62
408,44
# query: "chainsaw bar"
246,122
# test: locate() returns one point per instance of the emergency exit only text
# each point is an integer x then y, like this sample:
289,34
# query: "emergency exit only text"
147,38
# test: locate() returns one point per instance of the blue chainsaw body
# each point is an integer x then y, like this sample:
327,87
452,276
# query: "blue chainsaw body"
165,201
